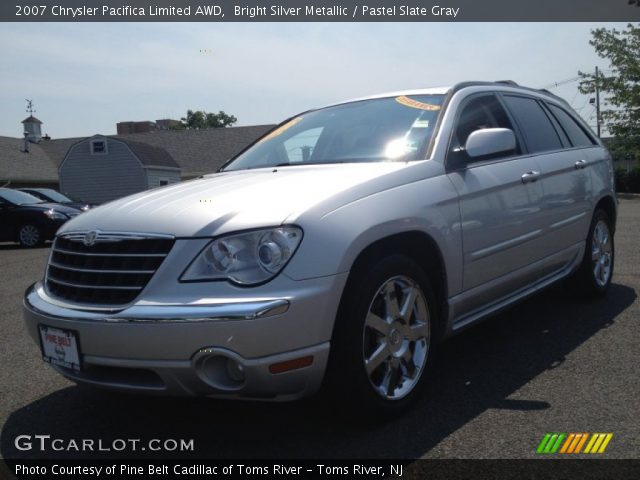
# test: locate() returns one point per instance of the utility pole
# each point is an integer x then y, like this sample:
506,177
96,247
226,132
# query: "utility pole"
598,102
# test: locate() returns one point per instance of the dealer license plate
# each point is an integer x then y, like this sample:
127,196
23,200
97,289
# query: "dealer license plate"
60,347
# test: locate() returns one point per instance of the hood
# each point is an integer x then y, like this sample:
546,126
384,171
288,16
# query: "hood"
230,201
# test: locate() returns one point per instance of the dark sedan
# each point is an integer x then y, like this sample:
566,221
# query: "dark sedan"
28,220
51,195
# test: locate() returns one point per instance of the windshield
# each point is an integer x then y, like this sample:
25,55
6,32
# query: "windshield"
53,195
17,197
382,129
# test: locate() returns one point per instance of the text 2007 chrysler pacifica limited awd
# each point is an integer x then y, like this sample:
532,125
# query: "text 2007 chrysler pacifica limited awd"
337,249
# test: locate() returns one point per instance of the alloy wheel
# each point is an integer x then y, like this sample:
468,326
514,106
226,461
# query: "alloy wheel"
601,253
396,337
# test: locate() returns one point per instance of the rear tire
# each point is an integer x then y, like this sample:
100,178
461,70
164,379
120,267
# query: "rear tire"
30,235
593,278
384,337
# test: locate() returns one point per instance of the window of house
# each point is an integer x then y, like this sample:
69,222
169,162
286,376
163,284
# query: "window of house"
98,147
163,181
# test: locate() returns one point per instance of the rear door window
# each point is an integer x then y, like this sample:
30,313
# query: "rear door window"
535,125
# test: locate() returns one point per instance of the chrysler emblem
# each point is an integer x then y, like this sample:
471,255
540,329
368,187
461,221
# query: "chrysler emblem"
90,238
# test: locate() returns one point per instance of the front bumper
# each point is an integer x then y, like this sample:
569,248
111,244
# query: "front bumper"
224,349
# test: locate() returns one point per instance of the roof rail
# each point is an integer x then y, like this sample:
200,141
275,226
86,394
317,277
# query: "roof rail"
509,83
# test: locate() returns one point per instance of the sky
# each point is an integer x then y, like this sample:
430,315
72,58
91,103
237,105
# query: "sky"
83,78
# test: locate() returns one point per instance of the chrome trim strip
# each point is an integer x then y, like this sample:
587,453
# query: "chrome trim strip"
159,314
69,252
99,287
203,313
88,270
118,235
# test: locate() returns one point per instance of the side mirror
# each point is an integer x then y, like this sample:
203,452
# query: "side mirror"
490,141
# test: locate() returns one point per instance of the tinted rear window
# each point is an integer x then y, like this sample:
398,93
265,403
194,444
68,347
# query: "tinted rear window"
536,127
574,131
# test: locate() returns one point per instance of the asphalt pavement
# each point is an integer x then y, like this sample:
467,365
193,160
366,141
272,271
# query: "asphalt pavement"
554,363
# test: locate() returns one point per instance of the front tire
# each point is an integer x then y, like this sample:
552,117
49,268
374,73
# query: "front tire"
384,337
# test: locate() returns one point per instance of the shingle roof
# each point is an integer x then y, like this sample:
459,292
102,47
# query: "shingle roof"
196,152
56,150
151,156
16,165
200,151
31,119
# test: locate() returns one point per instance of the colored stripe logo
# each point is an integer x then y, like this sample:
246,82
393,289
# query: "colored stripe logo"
574,443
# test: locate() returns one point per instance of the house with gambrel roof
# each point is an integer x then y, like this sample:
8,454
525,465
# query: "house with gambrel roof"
126,164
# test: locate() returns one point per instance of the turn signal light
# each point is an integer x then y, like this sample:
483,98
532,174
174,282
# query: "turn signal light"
294,364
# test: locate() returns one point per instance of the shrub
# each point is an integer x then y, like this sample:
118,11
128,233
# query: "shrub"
627,182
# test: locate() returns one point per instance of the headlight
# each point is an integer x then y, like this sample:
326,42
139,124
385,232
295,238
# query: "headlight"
245,258
53,215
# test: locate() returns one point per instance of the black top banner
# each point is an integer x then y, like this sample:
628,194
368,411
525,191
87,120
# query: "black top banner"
320,11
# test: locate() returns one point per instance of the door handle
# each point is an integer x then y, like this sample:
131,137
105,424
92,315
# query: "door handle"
580,164
531,176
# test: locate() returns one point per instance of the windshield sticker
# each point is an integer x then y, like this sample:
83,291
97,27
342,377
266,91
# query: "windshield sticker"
420,124
281,129
416,104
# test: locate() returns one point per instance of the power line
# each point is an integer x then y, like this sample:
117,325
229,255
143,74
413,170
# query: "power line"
560,83
583,105
574,97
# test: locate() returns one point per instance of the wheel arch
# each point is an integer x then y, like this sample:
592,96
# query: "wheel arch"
421,248
608,204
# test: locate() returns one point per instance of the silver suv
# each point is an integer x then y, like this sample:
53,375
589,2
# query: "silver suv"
338,249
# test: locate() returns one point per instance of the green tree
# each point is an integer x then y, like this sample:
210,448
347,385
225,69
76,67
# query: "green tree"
621,88
201,120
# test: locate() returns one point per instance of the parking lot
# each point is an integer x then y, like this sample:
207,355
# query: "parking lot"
552,364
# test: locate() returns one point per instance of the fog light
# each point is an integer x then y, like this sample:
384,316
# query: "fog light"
235,370
219,371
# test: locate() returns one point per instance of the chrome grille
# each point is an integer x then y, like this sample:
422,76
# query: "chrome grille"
104,268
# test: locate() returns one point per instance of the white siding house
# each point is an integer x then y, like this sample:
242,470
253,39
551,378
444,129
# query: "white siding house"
100,169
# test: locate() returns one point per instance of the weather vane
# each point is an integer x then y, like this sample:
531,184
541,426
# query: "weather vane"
30,109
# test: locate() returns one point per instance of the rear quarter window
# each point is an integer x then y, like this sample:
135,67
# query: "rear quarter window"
577,136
